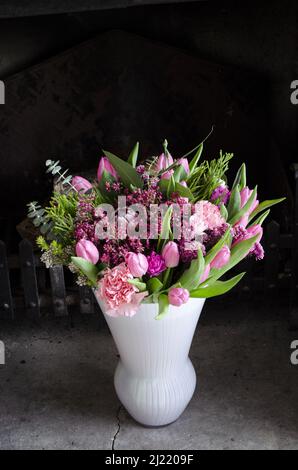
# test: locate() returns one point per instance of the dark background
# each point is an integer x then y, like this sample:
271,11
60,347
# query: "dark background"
144,73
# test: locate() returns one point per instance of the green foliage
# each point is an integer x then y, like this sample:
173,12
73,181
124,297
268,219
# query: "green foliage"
163,306
42,243
207,176
265,205
190,279
127,173
216,288
237,215
85,267
61,213
133,156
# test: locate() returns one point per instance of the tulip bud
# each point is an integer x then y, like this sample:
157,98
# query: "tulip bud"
253,231
185,164
245,194
170,254
87,250
136,263
167,175
81,184
105,165
205,274
222,258
178,296
164,161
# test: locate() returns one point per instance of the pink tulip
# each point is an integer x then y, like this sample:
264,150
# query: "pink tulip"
136,263
167,175
178,296
184,163
87,250
205,274
242,222
245,194
105,165
222,258
170,254
183,183
164,161
81,184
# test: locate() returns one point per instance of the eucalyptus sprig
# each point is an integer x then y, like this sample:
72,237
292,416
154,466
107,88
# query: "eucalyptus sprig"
64,178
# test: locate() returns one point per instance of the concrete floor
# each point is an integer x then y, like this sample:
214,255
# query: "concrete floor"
57,392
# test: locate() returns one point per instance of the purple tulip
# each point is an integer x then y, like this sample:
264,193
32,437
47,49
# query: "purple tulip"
81,184
170,254
245,194
87,250
164,161
167,175
178,296
105,165
136,263
156,264
222,258
185,164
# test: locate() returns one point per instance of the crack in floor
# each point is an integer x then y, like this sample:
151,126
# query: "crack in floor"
119,426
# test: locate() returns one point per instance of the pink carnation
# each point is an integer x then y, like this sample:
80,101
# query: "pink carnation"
120,297
210,214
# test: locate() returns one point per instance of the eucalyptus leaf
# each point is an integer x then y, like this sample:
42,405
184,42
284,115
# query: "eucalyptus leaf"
216,288
127,173
133,156
163,306
87,268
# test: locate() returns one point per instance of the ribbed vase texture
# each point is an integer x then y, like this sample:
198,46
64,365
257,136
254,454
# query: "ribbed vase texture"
155,378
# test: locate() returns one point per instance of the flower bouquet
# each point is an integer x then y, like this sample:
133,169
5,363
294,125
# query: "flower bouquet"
154,240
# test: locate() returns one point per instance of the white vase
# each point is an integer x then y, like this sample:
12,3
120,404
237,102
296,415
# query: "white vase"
155,378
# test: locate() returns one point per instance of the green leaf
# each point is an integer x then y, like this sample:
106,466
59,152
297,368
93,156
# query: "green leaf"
224,212
163,306
133,156
190,279
217,288
138,284
238,252
217,247
180,174
154,285
165,228
234,203
87,268
244,209
240,179
183,191
264,205
127,173
196,158
259,220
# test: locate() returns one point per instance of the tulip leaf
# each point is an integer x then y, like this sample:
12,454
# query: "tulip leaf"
165,228
240,179
224,212
138,284
234,203
190,279
216,288
196,158
259,220
87,268
183,191
127,173
133,156
180,173
154,285
163,306
265,205
235,217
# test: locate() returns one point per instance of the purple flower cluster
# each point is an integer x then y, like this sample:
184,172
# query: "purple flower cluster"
220,194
